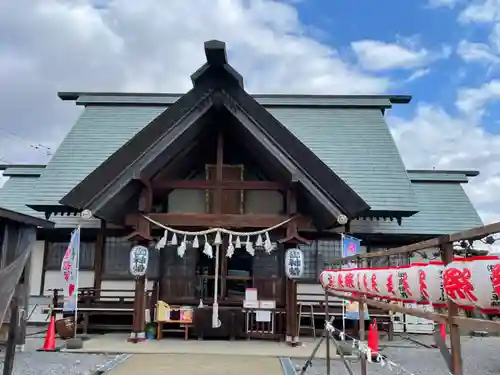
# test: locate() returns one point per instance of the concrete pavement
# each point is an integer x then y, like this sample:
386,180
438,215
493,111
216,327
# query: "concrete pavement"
199,364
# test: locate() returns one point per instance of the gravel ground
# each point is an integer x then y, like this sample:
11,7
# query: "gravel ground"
31,362
480,356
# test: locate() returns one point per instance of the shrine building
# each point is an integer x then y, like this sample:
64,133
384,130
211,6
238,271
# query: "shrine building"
276,171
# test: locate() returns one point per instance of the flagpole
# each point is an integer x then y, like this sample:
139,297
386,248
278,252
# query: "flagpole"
341,266
77,278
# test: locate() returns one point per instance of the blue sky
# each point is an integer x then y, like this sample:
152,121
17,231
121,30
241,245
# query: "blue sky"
343,22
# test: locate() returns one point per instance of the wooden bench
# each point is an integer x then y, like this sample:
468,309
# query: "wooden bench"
100,302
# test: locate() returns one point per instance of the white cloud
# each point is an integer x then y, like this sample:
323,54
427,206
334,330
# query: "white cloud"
495,38
472,101
151,45
477,52
434,138
442,3
481,11
374,55
418,74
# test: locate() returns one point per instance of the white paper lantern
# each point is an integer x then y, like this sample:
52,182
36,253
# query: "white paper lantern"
434,282
458,285
328,279
386,280
340,280
417,282
376,281
406,288
139,256
364,281
350,279
485,270
294,263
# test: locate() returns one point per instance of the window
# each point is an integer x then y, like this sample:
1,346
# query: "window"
393,260
117,259
318,255
56,252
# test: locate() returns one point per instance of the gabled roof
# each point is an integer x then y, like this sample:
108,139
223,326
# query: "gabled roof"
217,86
347,132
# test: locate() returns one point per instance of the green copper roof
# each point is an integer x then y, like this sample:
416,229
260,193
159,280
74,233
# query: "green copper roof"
354,142
444,208
15,193
18,189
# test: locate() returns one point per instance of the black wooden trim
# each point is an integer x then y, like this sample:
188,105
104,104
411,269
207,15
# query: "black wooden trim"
54,209
24,219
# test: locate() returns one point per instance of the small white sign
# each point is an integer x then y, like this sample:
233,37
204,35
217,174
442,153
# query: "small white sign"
250,304
263,315
270,304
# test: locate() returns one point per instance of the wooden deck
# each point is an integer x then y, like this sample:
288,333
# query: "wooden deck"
106,310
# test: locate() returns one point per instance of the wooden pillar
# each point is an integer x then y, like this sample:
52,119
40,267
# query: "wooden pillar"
13,333
99,256
291,312
218,174
44,263
456,350
141,236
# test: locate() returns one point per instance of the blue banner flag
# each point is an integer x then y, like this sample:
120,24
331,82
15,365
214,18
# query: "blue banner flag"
350,246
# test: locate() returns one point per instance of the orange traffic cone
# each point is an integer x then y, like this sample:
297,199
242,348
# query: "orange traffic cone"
49,345
373,340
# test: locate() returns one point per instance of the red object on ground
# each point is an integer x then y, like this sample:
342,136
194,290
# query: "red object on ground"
49,345
373,339
442,330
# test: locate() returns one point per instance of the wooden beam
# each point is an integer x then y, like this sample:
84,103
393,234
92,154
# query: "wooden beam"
217,220
469,323
224,185
99,255
218,174
476,233
292,235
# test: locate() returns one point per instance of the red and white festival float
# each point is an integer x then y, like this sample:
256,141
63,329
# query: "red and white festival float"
472,283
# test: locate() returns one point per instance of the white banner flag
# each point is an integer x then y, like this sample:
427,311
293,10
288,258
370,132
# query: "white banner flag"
69,269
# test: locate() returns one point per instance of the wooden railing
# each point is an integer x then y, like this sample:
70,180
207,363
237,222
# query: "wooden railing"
191,289
452,319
